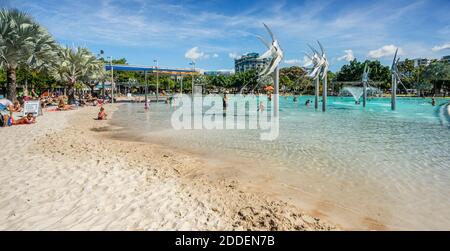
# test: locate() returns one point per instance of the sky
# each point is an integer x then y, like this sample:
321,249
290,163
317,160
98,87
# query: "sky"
215,32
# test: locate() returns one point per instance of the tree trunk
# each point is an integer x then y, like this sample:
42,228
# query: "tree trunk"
71,93
11,84
92,89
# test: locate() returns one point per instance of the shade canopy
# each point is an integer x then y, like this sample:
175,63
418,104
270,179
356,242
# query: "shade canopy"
166,71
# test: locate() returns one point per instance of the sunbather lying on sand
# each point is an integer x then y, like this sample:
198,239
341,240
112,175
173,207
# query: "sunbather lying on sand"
29,119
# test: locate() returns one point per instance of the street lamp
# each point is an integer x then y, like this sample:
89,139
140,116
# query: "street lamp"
146,91
192,84
157,81
100,55
112,79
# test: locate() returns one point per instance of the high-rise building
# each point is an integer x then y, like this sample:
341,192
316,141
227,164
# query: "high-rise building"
248,62
446,59
421,62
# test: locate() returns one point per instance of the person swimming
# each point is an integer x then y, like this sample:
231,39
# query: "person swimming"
308,102
433,102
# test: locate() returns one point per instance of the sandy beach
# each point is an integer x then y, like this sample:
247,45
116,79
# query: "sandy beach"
67,172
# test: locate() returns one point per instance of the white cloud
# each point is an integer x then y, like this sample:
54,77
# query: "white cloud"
305,62
168,25
215,55
234,55
349,56
385,51
441,47
195,54
292,61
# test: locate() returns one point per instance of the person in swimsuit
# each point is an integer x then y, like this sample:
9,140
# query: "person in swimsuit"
17,107
62,106
29,119
261,107
102,114
307,102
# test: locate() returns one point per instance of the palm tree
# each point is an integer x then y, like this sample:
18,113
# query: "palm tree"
23,42
74,65
96,75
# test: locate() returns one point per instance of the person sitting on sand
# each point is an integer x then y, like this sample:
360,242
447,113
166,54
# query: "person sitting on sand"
17,107
29,119
62,106
102,114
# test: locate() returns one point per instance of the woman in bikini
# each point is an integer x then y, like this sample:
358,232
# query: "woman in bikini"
29,119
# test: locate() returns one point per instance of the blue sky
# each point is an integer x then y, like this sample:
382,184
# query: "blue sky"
213,32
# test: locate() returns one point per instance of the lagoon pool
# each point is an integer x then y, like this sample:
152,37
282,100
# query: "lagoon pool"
363,167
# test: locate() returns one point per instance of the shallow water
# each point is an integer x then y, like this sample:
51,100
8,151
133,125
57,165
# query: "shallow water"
376,165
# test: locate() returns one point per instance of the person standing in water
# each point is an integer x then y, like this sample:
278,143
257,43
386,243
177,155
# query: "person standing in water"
307,103
225,102
261,107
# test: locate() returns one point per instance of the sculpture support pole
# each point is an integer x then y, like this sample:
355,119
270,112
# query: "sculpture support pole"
393,92
146,90
364,93
324,95
316,100
181,86
276,81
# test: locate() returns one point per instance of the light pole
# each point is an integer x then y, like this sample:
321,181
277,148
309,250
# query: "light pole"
146,91
100,55
157,80
181,85
112,79
192,84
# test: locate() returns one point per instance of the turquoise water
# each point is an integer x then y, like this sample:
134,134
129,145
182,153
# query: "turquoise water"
392,167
